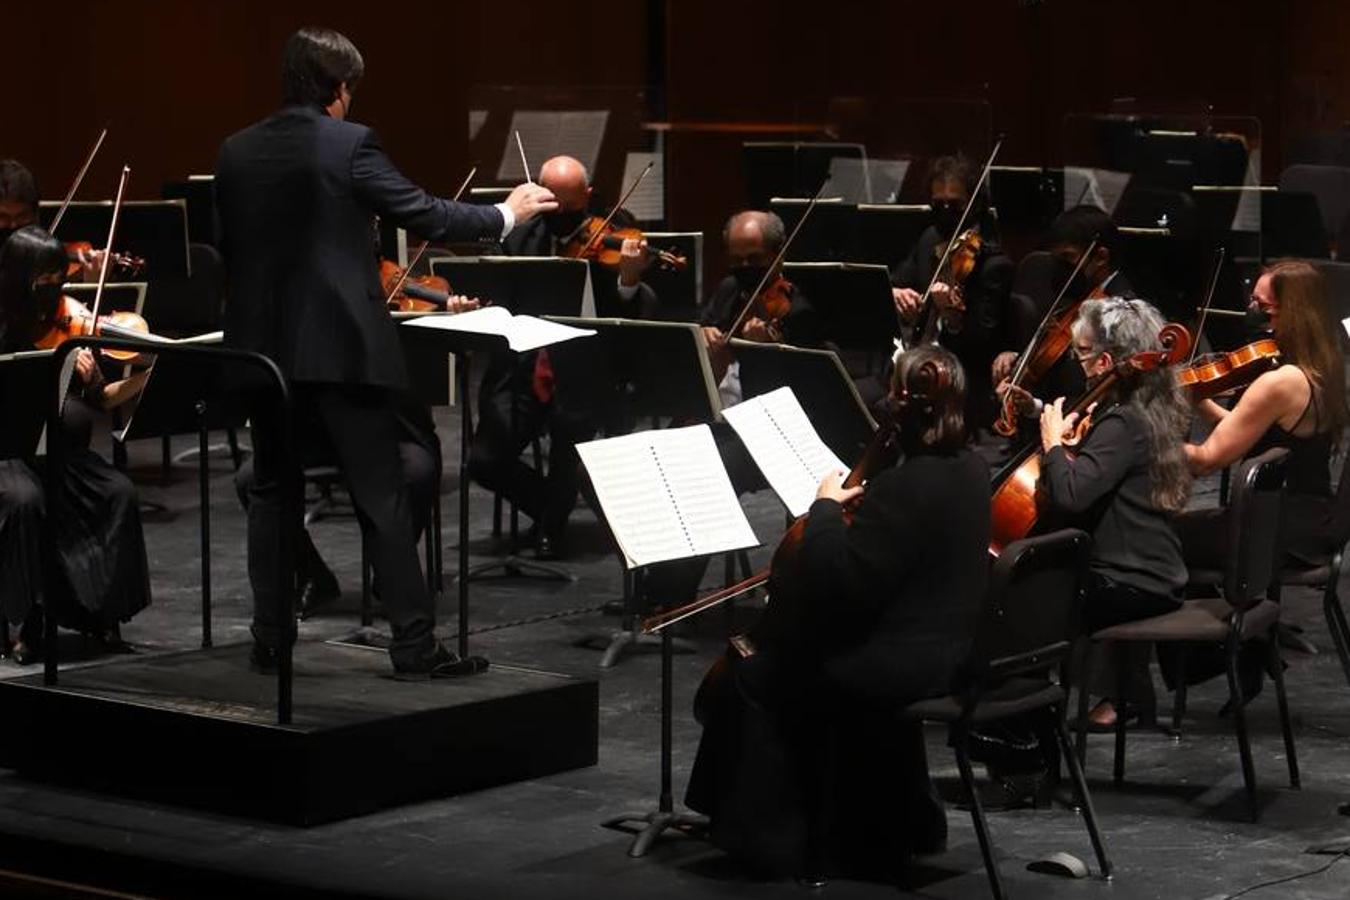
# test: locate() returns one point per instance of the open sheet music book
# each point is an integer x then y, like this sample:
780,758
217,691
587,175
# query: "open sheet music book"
522,333
666,495
785,446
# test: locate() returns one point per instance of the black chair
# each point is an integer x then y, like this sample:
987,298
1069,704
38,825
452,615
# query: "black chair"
1241,614
1328,576
1030,623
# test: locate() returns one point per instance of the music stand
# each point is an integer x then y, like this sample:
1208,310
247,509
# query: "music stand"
182,396
199,193
830,233
790,168
853,301
524,285
679,292
888,231
634,369
154,230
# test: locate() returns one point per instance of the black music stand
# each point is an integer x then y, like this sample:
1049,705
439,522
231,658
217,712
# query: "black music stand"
790,168
199,193
629,371
887,232
525,285
182,396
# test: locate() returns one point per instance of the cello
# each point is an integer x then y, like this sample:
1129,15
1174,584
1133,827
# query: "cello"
1015,507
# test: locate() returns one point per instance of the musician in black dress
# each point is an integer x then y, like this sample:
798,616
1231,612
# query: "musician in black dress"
296,194
1124,482
96,577
968,318
800,736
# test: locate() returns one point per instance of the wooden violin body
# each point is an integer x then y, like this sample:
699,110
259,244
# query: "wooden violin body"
1219,373
74,319
602,241
413,293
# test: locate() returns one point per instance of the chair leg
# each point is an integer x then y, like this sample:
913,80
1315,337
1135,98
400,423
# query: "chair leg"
1084,799
1081,656
1276,666
1336,624
1179,697
496,516
977,814
1122,676
1240,722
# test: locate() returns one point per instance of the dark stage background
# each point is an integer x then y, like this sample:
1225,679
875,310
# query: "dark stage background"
172,78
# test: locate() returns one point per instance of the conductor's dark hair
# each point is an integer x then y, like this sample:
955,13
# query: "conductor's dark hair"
928,398
28,254
17,184
1078,226
957,168
313,64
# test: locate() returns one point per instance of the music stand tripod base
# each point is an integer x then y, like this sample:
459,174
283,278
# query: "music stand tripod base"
626,640
652,825
515,567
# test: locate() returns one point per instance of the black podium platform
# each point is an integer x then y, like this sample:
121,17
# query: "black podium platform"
198,728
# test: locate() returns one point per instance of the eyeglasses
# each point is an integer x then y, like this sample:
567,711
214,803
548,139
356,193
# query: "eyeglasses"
1083,354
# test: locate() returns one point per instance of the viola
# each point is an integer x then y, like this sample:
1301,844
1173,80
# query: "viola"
1218,373
601,240
74,319
1015,507
78,251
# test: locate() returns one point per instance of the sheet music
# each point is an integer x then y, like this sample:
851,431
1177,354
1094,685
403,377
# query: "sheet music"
666,495
546,133
522,333
1101,188
648,202
865,180
785,446
1247,216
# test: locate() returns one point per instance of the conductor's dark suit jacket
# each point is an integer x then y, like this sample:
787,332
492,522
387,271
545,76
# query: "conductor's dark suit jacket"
296,195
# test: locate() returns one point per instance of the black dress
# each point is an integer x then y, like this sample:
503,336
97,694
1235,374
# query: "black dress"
803,738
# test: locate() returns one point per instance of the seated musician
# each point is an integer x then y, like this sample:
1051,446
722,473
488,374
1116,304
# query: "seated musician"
517,399
19,207
873,615
1070,235
971,314
101,578
1124,482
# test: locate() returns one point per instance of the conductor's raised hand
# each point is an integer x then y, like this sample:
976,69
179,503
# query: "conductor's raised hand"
832,488
529,200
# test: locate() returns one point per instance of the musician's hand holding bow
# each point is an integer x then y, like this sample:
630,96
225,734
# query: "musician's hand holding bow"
1022,401
633,261
832,488
85,365
950,303
458,303
907,304
1003,365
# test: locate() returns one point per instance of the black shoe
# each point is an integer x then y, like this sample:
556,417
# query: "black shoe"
263,659
545,547
25,653
317,592
1008,792
440,663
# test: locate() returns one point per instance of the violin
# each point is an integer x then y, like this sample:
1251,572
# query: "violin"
1218,373
413,293
78,251
74,319
1015,506
601,240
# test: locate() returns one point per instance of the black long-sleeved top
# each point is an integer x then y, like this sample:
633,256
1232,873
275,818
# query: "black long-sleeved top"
902,587
801,326
296,194
1105,488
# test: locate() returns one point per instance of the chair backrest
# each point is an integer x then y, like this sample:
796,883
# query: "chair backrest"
1033,609
1253,527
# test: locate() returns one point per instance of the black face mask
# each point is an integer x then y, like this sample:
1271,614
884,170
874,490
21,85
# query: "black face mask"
1256,322
946,216
748,277
561,224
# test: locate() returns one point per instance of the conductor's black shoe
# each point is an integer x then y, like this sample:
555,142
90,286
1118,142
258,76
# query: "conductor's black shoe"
263,659
440,663
317,592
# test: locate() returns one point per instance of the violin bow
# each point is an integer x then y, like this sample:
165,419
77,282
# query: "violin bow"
960,227
1040,329
422,247
107,250
75,185
523,164
617,206
777,260
1209,298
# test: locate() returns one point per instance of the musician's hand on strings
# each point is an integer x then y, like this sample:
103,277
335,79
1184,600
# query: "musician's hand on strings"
85,364
633,260
1022,401
832,488
756,329
529,200
458,303
91,263
1003,365
1052,425
906,303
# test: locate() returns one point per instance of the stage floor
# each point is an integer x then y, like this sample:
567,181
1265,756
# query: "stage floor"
1177,830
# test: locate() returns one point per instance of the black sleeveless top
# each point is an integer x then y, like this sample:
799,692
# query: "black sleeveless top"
1309,469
